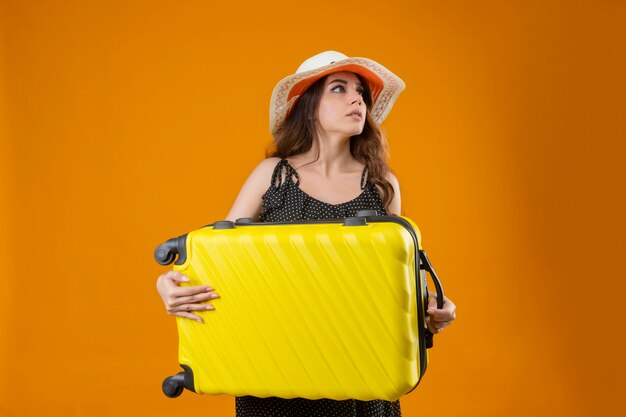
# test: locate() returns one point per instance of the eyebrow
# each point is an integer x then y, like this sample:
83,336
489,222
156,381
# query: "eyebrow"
339,80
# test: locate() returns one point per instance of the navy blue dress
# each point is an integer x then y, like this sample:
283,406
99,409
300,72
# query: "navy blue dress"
285,201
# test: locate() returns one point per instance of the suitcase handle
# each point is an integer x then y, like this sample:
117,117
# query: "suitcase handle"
428,267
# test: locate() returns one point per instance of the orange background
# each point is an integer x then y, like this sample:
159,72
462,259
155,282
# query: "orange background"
125,123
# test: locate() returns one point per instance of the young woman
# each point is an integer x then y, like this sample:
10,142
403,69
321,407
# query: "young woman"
328,161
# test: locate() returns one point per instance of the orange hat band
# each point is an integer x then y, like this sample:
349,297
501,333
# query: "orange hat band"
374,82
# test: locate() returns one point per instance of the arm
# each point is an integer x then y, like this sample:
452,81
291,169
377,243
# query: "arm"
183,301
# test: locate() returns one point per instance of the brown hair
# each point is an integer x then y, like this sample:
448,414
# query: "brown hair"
295,136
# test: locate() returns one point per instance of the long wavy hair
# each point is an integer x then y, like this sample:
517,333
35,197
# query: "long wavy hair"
297,133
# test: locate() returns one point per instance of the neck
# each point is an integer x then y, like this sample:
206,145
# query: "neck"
329,154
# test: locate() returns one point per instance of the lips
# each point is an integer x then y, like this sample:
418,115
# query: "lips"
356,113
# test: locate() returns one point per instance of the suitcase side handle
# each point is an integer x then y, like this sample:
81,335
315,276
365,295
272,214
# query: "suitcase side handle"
428,267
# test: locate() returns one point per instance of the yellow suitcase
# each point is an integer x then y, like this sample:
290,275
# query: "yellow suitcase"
323,309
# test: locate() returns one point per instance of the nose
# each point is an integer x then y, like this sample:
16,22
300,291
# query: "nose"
357,98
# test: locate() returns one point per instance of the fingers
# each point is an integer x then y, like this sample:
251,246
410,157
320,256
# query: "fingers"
176,297
173,279
187,315
175,276
430,327
190,307
176,301
185,309
183,301
177,291
436,326
447,313
438,319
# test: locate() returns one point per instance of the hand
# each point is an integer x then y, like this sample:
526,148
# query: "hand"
437,319
181,301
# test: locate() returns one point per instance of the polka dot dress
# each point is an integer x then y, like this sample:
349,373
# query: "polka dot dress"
299,407
285,201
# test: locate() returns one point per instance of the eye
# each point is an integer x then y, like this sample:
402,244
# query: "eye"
337,89
361,91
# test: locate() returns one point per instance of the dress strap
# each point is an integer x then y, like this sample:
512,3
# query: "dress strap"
363,178
277,175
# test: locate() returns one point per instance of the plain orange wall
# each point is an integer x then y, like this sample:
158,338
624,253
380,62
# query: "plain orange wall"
125,123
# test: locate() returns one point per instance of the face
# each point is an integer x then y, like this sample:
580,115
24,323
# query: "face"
341,108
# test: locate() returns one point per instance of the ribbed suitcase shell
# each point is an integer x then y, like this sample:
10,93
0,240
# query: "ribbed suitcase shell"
319,310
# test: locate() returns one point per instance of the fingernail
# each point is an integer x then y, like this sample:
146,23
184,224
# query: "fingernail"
209,289
209,307
199,320
213,296
184,279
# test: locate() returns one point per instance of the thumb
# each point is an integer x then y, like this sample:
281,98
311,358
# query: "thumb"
177,277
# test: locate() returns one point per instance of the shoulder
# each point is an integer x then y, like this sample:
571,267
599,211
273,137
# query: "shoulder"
262,173
261,176
266,166
393,180
249,200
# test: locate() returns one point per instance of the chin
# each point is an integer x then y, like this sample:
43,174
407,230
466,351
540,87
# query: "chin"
353,131
348,131
356,132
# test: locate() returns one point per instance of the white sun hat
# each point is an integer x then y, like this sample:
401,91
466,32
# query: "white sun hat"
384,84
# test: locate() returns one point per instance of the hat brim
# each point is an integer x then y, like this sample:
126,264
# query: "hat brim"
384,85
374,82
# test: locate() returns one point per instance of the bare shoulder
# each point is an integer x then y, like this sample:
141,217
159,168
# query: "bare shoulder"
261,176
249,200
269,162
393,180
265,167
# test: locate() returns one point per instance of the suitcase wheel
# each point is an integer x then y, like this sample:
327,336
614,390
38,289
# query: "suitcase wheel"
163,256
166,252
173,386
